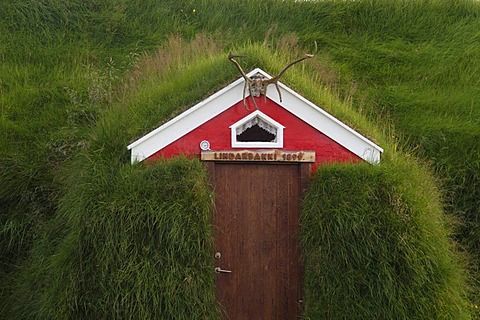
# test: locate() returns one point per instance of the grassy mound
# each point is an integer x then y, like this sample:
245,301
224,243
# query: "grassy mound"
86,78
130,242
135,241
126,241
376,246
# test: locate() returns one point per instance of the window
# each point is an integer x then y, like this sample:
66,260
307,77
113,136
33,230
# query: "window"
257,130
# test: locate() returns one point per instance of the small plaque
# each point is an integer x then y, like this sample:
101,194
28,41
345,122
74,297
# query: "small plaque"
259,155
205,145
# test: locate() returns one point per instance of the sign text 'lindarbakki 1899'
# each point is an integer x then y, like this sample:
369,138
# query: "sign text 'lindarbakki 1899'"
260,155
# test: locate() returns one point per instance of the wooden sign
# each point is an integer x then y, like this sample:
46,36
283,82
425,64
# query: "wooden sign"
259,155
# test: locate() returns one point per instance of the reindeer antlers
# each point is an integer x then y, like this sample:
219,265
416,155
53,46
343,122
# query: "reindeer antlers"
230,57
248,81
258,86
275,79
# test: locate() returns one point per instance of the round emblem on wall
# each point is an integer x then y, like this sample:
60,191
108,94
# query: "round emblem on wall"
205,145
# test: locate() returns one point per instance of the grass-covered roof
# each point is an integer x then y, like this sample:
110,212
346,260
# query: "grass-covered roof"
80,226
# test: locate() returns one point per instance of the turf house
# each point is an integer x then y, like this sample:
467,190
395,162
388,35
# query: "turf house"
145,175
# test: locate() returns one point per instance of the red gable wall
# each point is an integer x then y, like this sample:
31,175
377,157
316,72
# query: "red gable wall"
298,135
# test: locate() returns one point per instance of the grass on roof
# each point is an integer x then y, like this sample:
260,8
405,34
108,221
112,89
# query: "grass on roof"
86,78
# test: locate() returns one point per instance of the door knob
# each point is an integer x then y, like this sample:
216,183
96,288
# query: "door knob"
220,270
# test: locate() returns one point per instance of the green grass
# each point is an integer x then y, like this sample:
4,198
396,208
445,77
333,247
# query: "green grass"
375,238
130,242
150,274
113,210
91,77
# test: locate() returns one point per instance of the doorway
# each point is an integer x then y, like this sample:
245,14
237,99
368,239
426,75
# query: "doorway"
256,245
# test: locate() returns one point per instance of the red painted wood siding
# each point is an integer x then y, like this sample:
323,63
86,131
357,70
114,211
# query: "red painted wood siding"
298,135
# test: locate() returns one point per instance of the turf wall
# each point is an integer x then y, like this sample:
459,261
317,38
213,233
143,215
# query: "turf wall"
135,241
131,242
376,246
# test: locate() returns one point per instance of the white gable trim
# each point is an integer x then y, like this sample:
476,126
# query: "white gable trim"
233,93
327,124
187,121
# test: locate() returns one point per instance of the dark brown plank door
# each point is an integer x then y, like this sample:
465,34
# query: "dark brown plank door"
256,225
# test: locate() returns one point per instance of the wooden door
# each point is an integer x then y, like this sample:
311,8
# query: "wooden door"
256,226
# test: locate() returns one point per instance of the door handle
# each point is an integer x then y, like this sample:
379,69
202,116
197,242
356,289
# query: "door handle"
220,270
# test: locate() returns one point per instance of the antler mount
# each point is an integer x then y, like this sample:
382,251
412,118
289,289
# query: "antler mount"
257,84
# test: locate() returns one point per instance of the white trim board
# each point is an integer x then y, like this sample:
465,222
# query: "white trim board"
233,93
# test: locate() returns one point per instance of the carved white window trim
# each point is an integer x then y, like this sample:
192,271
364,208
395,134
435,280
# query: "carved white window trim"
266,123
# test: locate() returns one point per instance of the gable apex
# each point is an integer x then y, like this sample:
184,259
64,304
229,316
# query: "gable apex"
233,93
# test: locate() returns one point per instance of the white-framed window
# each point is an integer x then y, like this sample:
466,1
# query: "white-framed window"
257,130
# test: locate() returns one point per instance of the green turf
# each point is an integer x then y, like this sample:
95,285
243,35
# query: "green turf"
375,238
91,77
